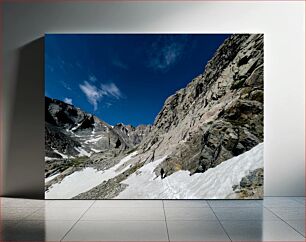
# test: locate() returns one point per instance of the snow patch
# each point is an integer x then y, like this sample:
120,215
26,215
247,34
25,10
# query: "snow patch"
123,161
84,180
69,131
61,154
77,126
95,150
51,177
50,158
74,184
215,183
94,140
82,152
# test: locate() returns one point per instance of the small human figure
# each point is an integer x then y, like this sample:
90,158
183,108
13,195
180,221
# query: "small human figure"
162,173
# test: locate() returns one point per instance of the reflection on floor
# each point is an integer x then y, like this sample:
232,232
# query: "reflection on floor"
274,219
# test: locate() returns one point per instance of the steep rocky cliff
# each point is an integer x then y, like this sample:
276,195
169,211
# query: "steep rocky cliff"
218,115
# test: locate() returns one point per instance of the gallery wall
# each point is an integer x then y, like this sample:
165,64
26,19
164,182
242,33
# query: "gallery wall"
24,25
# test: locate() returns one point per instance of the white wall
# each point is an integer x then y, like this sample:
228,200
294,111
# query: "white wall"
282,23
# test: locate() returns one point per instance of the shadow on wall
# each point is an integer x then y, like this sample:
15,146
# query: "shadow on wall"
28,230
25,155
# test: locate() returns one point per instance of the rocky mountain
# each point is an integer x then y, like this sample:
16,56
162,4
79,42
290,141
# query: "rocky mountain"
132,135
209,132
71,132
218,115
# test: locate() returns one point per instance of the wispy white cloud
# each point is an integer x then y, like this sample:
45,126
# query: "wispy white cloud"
66,85
111,90
94,93
165,52
68,100
61,63
108,105
92,78
120,64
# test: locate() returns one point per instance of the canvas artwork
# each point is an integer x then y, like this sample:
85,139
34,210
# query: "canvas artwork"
154,116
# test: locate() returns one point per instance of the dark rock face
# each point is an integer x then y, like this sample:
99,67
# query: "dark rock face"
62,114
218,115
130,134
69,131
251,186
57,140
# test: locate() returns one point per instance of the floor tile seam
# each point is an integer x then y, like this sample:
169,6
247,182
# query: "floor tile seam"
220,223
299,201
2,207
165,217
284,207
48,207
148,220
49,220
213,207
73,225
116,220
286,223
128,207
185,207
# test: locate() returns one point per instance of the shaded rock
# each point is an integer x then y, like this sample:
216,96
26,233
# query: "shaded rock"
250,186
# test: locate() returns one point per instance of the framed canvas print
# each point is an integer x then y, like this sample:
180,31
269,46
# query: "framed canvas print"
154,116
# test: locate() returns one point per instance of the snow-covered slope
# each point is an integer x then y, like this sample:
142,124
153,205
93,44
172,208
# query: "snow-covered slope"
84,180
214,183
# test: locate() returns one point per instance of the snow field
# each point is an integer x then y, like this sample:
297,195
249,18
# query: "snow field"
215,183
84,180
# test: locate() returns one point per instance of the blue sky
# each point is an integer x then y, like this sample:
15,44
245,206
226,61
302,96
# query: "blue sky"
124,78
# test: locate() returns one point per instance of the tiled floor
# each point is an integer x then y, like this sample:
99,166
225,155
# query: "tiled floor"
274,219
